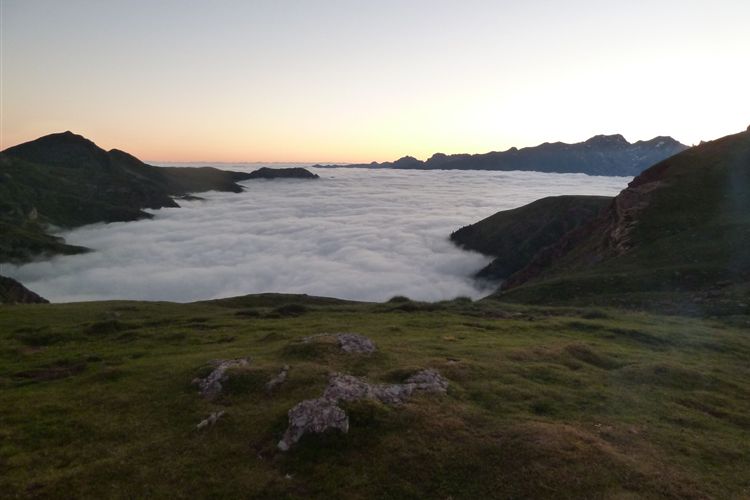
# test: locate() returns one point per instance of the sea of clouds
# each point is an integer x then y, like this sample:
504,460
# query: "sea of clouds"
354,234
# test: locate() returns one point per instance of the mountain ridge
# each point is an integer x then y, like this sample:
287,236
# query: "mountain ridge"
677,232
65,180
599,155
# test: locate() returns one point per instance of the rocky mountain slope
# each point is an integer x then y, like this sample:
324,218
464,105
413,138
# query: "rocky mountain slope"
676,238
515,236
64,180
600,155
13,292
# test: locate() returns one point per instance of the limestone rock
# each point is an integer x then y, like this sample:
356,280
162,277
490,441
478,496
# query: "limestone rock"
313,415
355,344
210,420
210,386
428,380
321,414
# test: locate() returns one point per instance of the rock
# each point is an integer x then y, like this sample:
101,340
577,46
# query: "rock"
429,381
350,343
355,344
211,420
210,386
347,388
313,415
321,414
278,379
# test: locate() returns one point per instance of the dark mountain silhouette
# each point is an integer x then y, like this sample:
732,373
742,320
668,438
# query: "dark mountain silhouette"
676,239
282,173
65,180
600,155
515,236
13,292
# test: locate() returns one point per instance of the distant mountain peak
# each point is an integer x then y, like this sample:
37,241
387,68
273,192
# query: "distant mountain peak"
607,140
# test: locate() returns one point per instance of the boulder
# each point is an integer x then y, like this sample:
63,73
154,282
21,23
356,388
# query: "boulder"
355,344
313,415
210,386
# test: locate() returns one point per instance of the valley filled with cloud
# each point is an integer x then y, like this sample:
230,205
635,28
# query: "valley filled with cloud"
353,234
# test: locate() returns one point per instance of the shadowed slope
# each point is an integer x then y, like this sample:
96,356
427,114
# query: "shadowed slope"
515,236
677,237
65,180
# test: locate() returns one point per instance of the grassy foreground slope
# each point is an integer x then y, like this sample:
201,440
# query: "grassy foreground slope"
96,402
676,240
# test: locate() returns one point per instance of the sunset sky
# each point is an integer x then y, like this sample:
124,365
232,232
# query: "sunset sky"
348,81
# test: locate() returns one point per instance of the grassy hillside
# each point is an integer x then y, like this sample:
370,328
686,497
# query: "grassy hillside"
64,180
676,239
96,402
515,236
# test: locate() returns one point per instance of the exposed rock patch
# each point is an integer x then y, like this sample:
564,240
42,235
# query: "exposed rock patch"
350,343
278,379
355,344
210,420
313,415
348,388
210,386
319,415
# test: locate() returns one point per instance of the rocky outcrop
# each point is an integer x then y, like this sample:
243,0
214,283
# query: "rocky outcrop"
13,292
211,385
316,416
282,173
322,414
352,343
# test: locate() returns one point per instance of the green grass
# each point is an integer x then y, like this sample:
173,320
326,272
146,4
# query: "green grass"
96,401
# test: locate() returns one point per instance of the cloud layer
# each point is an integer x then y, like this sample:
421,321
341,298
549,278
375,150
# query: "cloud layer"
355,234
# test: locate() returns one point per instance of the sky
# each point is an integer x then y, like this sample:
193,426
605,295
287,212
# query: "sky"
356,81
